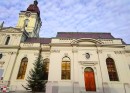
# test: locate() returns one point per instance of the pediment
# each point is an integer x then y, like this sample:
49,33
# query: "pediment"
11,30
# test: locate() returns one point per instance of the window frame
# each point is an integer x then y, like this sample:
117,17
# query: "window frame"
22,68
112,70
67,69
46,62
7,40
26,21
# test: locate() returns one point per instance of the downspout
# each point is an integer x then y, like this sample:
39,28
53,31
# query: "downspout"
73,67
100,68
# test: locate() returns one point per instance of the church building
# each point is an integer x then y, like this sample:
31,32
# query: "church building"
76,62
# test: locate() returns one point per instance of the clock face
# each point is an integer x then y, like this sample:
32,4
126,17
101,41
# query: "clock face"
87,55
28,14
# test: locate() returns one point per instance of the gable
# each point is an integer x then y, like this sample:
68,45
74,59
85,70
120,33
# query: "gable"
10,30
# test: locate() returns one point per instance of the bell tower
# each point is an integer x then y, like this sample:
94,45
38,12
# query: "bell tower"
30,20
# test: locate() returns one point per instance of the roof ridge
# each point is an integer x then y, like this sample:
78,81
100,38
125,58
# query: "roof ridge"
87,32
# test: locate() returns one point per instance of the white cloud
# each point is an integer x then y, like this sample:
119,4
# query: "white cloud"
74,15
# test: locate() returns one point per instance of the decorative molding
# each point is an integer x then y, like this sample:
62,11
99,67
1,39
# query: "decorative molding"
94,67
36,54
25,55
11,53
119,52
1,63
108,55
16,35
55,51
105,83
99,51
74,50
65,54
127,84
88,62
33,17
3,34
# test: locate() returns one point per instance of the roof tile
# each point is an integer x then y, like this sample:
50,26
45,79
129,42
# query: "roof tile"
84,35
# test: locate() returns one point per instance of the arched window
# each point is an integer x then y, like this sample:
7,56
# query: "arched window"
26,22
46,64
111,69
89,79
7,40
22,69
65,73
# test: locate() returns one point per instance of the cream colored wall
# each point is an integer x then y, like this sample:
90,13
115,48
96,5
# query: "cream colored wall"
92,62
77,56
31,51
97,61
76,53
15,38
32,56
57,53
119,57
32,24
8,58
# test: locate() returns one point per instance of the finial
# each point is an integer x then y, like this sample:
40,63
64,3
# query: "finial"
1,25
35,2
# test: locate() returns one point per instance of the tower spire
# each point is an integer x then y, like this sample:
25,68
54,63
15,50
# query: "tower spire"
31,22
35,2
34,7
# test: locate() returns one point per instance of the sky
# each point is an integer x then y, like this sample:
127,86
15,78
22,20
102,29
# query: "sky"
74,16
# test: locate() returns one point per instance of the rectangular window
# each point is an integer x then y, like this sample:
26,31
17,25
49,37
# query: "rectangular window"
129,66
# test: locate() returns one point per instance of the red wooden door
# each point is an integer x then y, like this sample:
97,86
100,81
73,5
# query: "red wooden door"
89,81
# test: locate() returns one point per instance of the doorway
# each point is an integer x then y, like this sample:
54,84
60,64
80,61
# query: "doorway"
89,79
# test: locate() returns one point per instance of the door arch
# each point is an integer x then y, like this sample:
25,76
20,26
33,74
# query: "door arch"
89,79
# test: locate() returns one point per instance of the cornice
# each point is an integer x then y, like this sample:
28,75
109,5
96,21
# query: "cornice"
9,47
112,45
30,48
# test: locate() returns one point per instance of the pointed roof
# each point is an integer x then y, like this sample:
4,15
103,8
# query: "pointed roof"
34,8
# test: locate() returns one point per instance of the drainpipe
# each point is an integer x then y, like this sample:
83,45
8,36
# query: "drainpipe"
73,67
100,67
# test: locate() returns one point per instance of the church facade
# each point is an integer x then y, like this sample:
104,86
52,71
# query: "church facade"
77,62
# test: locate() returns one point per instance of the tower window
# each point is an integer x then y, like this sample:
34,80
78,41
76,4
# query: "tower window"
7,40
112,72
26,22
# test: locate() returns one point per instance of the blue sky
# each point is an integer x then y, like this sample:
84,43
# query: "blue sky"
74,15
